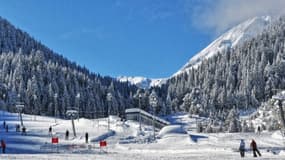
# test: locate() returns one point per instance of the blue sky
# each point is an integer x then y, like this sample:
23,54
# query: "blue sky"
152,38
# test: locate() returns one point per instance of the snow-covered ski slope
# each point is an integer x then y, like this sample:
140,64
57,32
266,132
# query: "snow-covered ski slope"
124,141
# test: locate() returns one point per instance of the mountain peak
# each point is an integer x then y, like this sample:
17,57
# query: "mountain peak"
141,82
235,36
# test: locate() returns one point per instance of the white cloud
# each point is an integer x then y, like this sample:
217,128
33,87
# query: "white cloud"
219,15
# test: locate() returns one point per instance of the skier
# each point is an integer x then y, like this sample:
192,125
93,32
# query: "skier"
24,131
254,148
242,148
4,124
7,128
17,128
86,137
3,146
258,130
66,135
50,131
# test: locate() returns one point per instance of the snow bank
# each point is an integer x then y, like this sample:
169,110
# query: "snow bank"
114,118
171,129
277,135
103,136
282,153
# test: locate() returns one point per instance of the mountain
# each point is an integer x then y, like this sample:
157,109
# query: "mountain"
49,84
232,38
235,36
141,82
220,83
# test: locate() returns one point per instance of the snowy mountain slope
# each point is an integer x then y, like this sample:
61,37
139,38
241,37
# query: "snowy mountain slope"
142,82
21,50
235,36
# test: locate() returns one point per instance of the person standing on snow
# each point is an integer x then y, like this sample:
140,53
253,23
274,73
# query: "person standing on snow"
24,131
242,148
254,148
66,135
3,146
258,130
86,137
4,124
17,128
50,131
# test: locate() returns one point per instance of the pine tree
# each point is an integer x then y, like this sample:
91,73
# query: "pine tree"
168,105
233,122
244,126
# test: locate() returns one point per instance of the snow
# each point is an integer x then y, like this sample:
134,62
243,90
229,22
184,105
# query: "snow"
123,142
277,135
137,110
171,129
280,96
235,36
232,38
142,82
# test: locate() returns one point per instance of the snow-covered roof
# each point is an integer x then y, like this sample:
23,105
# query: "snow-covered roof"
137,110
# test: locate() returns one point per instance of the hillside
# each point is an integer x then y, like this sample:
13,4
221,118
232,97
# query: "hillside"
49,84
232,38
241,77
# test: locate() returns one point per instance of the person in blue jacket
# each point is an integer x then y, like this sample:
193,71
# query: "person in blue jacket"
242,148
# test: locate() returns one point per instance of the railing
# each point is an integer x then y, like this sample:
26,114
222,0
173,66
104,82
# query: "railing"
135,112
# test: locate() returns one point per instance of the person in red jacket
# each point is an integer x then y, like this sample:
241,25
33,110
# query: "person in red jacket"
3,146
254,148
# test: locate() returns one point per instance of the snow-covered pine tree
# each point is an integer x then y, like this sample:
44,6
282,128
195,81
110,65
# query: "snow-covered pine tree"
233,121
